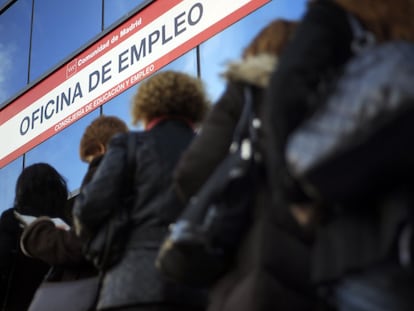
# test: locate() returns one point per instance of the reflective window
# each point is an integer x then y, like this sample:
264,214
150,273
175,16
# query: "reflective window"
121,105
61,28
214,57
14,48
62,152
115,10
8,178
3,2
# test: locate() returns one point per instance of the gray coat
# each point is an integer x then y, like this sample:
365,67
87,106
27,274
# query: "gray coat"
135,280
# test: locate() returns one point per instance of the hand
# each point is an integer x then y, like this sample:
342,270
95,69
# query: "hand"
59,223
24,220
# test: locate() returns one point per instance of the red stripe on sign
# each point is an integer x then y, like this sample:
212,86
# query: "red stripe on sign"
147,15
135,78
219,26
29,145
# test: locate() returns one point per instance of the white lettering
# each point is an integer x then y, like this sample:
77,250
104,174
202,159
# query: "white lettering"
131,27
94,53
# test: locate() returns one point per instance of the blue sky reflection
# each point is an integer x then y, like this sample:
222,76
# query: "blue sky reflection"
61,28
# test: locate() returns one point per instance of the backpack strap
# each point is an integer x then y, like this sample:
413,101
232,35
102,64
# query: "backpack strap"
128,195
132,141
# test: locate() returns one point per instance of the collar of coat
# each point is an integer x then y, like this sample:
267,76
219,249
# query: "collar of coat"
160,119
255,70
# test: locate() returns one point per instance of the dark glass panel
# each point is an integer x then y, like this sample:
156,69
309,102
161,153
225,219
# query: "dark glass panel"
115,10
62,152
8,178
229,44
3,2
14,48
61,28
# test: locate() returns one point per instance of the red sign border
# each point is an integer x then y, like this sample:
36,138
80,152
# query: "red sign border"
154,10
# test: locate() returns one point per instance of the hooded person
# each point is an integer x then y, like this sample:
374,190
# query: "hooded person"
270,269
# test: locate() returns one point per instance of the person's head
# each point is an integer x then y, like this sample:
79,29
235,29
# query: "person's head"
272,39
41,191
387,19
170,93
97,136
260,57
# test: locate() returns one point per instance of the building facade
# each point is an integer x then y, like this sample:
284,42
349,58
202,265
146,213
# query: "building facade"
63,63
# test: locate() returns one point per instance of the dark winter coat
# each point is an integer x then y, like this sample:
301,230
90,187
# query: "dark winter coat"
316,53
20,275
320,47
59,248
213,141
271,268
135,280
350,238
93,166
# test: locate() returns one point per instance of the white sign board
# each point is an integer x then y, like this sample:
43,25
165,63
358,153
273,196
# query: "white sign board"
144,43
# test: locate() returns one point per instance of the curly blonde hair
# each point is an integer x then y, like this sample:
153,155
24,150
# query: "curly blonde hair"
170,93
98,133
387,19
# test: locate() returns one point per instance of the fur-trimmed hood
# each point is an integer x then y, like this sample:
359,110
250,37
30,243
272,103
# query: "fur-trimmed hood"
255,70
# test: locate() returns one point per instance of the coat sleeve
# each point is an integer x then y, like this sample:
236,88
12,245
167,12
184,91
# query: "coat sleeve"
211,145
43,241
98,199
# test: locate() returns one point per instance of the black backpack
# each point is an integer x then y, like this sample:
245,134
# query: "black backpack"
106,247
203,240
359,143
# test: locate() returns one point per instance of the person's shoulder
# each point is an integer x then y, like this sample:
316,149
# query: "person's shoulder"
327,19
328,3
123,137
122,140
8,221
119,137
8,215
325,6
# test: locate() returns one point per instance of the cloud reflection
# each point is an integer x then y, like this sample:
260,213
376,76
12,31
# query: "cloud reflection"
6,52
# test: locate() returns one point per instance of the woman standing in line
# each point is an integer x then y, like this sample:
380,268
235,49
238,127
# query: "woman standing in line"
169,104
271,268
40,191
62,249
